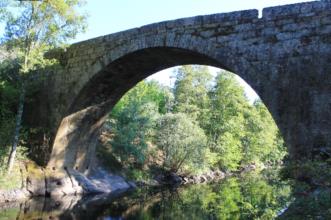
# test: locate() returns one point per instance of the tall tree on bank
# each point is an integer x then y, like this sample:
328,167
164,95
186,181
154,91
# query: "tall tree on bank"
225,127
32,28
191,89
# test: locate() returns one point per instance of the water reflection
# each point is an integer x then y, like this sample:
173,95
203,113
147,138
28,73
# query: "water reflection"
251,196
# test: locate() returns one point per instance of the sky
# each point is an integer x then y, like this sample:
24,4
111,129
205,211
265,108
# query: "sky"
111,16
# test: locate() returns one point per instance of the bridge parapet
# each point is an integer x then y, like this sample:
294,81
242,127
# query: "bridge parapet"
296,10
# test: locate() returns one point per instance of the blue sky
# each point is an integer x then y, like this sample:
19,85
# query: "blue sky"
110,16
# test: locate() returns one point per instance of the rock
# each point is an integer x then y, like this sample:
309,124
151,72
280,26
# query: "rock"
210,176
203,179
219,174
35,181
196,179
64,183
13,195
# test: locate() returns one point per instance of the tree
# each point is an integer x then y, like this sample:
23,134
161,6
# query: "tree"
34,27
133,120
225,125
191,92
262,141
237,132
181,140
132,129
143,92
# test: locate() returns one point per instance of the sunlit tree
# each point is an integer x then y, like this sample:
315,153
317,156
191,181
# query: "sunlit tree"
31,28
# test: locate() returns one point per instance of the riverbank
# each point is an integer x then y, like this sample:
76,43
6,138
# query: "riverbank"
167,178
37,181
251,195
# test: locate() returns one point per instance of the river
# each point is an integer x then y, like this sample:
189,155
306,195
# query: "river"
254,195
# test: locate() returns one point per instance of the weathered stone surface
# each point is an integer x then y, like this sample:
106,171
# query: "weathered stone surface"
13,195
56,184
36,181
72,182
284,56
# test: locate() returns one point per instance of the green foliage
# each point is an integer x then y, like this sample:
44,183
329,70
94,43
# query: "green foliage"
8,105
225,127
12,180
132,129
10,213
262,141
181,141
145,92
133,119
137,174
33,27
203,123
191,91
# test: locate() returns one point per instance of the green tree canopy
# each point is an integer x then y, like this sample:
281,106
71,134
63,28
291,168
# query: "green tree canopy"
204,123
133,119
181,140
225,127
191,91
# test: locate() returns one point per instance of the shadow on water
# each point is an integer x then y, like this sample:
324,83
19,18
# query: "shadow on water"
250,196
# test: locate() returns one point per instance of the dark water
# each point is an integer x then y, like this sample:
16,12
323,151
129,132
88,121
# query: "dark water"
250,196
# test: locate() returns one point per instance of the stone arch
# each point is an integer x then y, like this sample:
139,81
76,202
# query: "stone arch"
284,56
75,141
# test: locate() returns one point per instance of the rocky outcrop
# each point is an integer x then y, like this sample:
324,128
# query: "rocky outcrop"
74,182
38,181
206,177
171,178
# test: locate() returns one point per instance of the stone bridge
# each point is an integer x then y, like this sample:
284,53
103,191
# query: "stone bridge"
285,56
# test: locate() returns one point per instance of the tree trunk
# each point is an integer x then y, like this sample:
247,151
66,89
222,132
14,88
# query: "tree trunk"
18,123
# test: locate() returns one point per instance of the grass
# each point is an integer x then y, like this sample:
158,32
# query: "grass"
12,180
9,214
